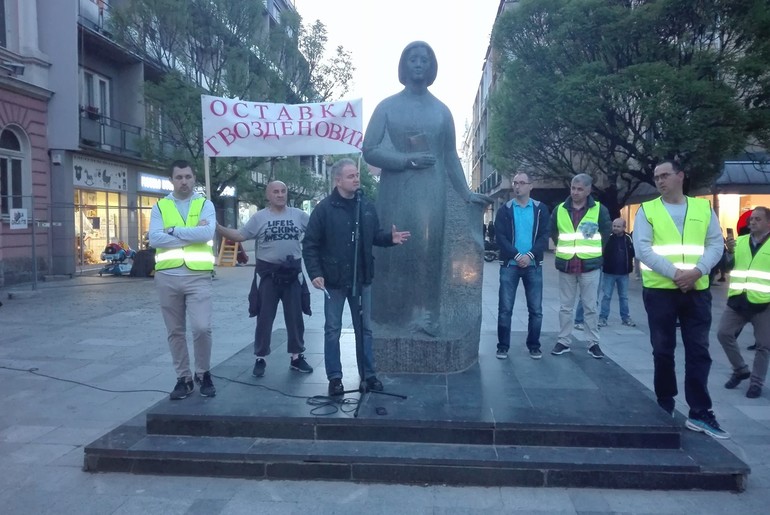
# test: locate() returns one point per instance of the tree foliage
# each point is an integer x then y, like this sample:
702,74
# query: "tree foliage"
610,87
328,77
224,48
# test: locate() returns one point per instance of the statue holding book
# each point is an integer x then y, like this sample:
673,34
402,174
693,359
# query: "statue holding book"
422,289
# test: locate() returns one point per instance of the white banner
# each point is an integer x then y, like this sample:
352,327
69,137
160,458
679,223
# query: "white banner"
238,128
18,218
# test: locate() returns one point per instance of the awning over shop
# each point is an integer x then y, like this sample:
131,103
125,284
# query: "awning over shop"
744,177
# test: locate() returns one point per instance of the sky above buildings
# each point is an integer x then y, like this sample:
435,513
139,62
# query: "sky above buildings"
376,32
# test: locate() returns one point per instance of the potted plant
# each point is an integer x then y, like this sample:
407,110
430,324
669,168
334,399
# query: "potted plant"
92,112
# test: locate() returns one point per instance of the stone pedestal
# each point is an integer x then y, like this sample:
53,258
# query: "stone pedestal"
446,337
423,354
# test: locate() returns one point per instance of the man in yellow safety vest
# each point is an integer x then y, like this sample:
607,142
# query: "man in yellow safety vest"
747,301
580,227
181,230
678,241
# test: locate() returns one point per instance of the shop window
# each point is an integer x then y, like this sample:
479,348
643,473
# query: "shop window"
15,181
99,219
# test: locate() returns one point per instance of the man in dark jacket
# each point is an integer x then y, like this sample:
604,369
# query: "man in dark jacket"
329,254
618,263
579,227
521,226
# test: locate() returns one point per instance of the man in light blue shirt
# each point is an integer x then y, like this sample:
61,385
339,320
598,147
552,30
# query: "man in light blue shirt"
521,227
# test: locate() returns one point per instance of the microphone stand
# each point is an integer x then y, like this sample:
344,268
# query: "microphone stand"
357,313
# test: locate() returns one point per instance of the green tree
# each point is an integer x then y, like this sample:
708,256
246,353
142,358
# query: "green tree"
610,87
328,77
223,48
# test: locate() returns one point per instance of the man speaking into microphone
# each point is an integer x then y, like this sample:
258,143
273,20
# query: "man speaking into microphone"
340,223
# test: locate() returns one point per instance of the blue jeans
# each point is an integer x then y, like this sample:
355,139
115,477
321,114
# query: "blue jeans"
333,307
532,278
608,285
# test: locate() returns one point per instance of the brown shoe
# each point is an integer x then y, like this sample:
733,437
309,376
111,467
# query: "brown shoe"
754,391
736,379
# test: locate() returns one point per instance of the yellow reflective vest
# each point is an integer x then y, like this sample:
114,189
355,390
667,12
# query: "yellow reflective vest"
751,273
683,250
572,242
196,256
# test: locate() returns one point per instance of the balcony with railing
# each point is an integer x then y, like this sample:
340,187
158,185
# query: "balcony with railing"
94,14
101,132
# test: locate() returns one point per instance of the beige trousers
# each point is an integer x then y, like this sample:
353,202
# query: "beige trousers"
729,325
183,296
587,285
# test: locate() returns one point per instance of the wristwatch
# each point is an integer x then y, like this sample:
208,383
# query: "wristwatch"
170,231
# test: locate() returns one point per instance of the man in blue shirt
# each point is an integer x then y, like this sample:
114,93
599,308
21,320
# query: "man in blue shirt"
521,229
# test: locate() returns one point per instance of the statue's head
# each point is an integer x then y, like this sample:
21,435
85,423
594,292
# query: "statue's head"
402,69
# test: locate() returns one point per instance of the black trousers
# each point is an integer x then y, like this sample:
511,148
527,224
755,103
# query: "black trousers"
290,295
693,311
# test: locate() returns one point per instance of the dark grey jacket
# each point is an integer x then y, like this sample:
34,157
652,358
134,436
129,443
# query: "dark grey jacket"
328,245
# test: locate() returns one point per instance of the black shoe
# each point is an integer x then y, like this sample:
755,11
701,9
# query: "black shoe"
736,379
373,384
560,349
535,353
754,391
184,387
667,405
752,347
335,387
299,364
259,368
206,386
502,354
595,351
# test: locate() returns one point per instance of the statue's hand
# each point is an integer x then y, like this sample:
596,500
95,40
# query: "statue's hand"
418,160
478,198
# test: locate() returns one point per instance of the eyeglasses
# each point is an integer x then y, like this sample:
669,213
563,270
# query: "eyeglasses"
662,176
520,183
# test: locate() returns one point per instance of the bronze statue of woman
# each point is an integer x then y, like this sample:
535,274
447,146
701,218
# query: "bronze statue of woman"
411,137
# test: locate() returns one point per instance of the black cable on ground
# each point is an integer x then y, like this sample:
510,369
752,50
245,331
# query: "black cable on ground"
323,405
332,404
34,371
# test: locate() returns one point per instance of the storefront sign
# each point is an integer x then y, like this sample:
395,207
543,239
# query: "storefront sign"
18,218
155,184
97,174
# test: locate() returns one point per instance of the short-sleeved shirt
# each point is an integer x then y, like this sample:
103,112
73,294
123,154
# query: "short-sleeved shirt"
277,235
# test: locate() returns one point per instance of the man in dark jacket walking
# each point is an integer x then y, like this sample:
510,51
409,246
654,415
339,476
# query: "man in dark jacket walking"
618,263
521,226
329,254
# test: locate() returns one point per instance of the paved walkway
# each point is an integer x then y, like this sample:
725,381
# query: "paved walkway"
107,332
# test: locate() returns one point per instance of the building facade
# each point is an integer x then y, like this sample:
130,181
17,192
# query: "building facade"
485,178
25,213
75,131
101,186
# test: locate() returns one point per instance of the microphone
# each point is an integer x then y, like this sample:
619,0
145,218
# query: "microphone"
359,194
